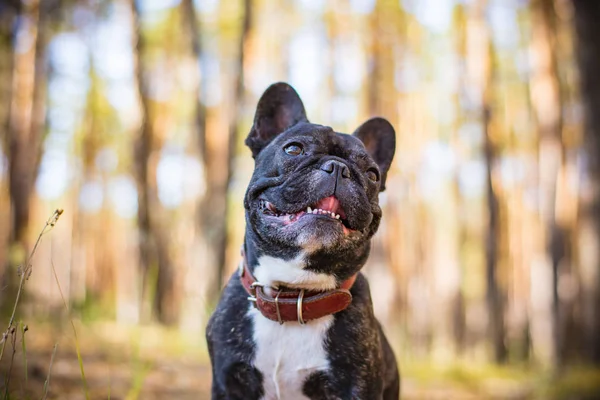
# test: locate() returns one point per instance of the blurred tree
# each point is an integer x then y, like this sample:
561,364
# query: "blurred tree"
235,126
460,232
492,239
381,90
546,99
483,59
213,207
192,30
9,11
157,271
8,14
27,115
587,27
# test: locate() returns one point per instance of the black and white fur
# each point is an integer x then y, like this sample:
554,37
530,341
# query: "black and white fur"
341,356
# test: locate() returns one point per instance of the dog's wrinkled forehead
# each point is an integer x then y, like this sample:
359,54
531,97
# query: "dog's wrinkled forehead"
323,140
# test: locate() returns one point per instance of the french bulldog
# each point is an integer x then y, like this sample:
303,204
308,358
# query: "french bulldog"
296,320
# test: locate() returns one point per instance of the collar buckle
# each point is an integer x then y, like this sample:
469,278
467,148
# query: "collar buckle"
299,307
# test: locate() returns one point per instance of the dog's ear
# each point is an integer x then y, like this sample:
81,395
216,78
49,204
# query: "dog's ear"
379,138
278,109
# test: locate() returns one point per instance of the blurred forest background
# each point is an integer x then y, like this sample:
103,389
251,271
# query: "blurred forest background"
131,115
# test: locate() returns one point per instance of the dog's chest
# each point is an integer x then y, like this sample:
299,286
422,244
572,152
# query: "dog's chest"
286,355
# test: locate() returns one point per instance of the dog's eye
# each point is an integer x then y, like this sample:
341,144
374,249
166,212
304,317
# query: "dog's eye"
294,149
373,175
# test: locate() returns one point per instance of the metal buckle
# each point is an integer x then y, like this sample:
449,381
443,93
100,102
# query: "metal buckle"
277,307
299,308
254,285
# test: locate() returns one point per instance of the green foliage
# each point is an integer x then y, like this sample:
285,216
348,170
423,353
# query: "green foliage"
578,383
488,382
95,308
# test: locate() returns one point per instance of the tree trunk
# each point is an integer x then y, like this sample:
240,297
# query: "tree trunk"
381,93
8,20
193,31
587,15
460,233
7,42
481,62
156,269
26,123
234,132
546,103
494,293
218,163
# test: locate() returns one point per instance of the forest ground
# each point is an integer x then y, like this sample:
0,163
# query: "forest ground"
155,363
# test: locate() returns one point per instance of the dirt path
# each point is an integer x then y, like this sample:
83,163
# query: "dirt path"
109,377
150,364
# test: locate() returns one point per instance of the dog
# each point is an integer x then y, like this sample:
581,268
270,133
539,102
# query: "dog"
296,320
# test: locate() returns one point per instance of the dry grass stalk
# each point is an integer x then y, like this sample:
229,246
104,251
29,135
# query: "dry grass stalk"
13,341
25,272
47,381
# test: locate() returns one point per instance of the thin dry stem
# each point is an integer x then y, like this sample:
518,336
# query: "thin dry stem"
47,382
25,273
12,360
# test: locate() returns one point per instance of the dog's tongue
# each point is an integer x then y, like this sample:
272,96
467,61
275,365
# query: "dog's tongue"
330,203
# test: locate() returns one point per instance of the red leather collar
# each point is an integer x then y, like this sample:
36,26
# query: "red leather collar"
286,304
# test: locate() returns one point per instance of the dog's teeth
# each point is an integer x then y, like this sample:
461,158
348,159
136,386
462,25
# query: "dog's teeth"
316,211
309,210
337,216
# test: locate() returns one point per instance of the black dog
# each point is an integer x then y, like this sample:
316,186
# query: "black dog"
296,321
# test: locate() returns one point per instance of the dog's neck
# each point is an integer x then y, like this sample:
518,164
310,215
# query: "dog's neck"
300,270
273,271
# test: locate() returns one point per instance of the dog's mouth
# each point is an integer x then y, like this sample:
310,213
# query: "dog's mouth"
328,208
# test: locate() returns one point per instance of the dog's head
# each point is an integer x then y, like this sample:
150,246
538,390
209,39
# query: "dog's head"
314,191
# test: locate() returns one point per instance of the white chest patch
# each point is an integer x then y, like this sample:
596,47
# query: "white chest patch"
286,355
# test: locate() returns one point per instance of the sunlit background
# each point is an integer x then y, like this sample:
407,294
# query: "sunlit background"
131,117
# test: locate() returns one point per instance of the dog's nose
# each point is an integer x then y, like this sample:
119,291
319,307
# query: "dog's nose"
336,168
